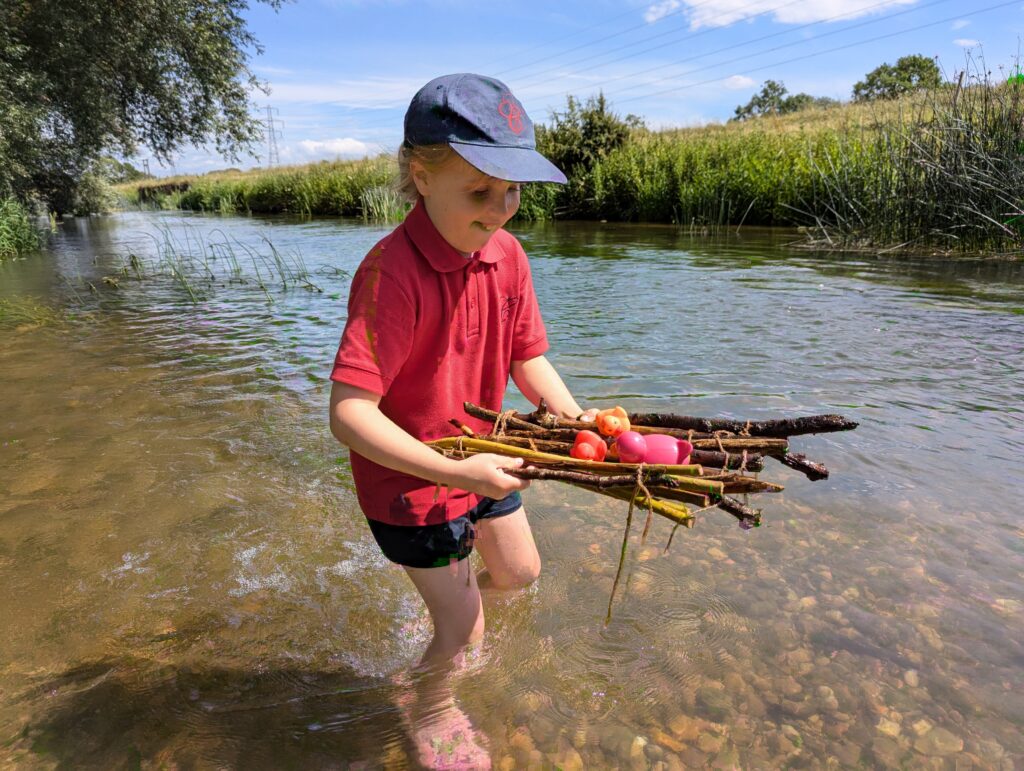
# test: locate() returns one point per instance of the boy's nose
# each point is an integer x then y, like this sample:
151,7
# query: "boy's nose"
503,204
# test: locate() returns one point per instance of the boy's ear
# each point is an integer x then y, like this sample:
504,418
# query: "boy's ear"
420,177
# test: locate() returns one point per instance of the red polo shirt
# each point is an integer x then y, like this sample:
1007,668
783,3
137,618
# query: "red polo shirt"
429,329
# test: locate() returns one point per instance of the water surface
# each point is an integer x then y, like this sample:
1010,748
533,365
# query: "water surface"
188,579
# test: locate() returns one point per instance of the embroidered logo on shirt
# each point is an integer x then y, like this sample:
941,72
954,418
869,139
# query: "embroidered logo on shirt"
508,307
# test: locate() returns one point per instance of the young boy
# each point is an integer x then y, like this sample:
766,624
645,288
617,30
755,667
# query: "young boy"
442,311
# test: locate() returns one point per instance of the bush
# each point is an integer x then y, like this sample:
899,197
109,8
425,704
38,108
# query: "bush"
17,233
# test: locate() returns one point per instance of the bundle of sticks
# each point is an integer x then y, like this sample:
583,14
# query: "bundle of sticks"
726,456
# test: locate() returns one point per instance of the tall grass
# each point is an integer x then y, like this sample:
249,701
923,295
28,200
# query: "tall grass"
321,188
948,176
17,233
383,203
936,171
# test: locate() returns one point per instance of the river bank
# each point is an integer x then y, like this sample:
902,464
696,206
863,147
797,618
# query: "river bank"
937,172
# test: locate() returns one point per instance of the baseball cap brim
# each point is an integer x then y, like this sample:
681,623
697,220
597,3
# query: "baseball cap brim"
513,164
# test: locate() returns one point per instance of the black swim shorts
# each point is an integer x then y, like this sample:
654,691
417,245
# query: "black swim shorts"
434,546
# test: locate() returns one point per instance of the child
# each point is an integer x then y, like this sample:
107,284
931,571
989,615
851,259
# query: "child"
441,312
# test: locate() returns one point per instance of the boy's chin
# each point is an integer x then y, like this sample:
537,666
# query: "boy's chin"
478,242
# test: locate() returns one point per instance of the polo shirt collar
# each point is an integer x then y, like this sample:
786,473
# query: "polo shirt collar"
442,256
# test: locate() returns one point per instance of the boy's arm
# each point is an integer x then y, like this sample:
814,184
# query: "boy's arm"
537,379
356,421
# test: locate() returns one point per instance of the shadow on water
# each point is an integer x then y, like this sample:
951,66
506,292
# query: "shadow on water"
112,713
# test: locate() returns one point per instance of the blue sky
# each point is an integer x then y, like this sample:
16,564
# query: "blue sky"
341,72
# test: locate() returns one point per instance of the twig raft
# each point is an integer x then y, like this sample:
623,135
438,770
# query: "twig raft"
660,421
729,439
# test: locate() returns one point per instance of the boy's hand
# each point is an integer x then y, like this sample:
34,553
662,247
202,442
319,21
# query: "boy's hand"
482,474
587,416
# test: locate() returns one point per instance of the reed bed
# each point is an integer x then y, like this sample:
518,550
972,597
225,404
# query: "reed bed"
18,234
338,187
198,265
938,171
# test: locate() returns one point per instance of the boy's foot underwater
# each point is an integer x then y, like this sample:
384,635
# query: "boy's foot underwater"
444,738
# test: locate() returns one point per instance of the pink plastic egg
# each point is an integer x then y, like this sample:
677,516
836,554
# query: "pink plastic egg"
631,447
661,449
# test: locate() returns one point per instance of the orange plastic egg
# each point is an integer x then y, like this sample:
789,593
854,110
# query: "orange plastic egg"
612,422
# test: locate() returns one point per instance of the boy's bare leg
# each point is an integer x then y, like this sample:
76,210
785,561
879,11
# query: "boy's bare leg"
508,550
441,732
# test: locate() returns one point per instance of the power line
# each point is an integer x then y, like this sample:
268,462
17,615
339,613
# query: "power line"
648,50
610,19
829,51
702,55
374,124
607,37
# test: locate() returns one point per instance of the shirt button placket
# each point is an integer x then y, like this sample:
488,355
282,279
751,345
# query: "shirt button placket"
473,294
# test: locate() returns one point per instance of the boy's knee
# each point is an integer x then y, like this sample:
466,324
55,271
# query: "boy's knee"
519,577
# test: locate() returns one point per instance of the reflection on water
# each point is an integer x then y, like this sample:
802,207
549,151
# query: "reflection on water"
189,582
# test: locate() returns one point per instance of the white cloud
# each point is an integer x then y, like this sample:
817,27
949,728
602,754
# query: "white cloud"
721,13
737,82
960,24
346,147
366,93
661,10
268,70
965,42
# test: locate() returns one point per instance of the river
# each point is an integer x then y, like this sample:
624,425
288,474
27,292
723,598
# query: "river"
188,581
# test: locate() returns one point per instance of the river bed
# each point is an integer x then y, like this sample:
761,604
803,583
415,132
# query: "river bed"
188,581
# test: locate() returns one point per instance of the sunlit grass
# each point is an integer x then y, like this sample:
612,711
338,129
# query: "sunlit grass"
939,171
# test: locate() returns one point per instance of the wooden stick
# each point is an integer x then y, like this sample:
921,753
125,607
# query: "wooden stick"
810,469
579,477
785,427
736,483
775,447
552,426
741,512
779,428
472,446
729,460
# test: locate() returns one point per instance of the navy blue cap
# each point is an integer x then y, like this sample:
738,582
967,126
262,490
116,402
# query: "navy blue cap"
481,121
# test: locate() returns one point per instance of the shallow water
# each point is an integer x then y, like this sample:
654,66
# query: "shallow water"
189,582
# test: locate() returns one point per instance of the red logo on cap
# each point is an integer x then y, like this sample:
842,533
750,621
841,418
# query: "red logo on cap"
510,111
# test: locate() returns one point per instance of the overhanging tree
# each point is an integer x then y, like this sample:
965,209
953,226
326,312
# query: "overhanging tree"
80,78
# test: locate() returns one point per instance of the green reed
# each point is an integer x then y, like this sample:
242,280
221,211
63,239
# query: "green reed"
25,312
18,234
947,176
383,203
198,263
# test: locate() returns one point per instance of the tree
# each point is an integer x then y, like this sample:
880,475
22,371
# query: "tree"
79,79
772,99
910,73
582,134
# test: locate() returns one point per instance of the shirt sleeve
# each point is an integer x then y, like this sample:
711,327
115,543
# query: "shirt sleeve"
530,339
379,331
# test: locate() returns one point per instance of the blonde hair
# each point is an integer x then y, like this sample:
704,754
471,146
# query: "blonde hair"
433,157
